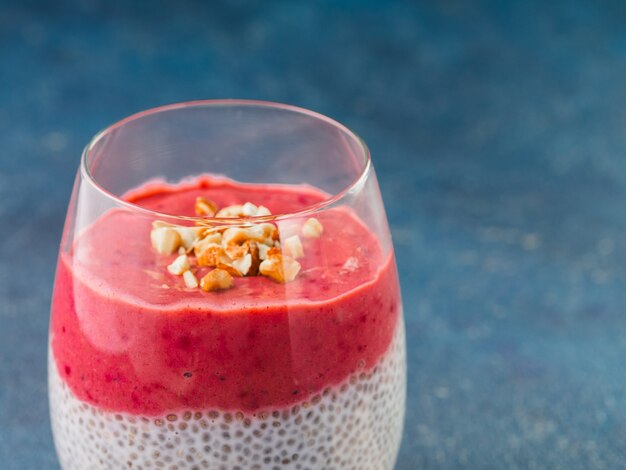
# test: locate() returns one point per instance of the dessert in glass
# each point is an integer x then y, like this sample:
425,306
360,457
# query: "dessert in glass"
226,296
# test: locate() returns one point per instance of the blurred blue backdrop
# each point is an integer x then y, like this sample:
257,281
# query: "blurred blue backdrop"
498,132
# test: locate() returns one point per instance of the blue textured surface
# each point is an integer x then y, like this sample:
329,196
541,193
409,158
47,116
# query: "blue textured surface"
498,132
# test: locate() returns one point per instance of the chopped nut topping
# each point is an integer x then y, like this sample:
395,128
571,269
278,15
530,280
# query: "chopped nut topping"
190,280
312,228
179,265
165,240
218,279
280,268
293,247
248,250
205,207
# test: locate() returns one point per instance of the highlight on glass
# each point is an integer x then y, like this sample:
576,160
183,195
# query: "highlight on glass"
226,296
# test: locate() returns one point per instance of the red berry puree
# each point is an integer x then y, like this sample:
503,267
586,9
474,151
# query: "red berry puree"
128,336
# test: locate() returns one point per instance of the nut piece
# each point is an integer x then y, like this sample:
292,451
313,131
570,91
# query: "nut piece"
262,211
263,249
230,212
250,210
243,264
264,233
253,250
211,255
246,210
229,268
218,279
312,228
205,207
189,235
234,242
235,239
280,268
190,280
214,238
234,236
259,233
165,240
179,265
293,247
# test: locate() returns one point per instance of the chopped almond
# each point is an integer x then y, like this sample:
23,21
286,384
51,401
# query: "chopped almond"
262,211
214,238
246,210
280,268
258,233
229,268
211,255
165,240
250,210
263,249
218,279
233,241
189,235
253,249
160,223
230,212
273,251
179,265
190,280
235,236
293,247
236,251
243,264
264,233
312,228
205,207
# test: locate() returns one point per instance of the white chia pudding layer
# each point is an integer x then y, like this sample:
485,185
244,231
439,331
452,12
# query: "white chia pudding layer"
356,425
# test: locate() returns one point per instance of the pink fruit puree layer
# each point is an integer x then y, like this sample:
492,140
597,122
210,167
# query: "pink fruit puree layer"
128,336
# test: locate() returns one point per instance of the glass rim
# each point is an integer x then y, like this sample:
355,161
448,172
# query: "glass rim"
355,182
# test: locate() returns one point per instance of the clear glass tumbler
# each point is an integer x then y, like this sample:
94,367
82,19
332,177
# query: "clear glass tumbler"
226,296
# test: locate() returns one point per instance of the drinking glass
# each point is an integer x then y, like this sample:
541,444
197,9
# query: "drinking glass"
293,360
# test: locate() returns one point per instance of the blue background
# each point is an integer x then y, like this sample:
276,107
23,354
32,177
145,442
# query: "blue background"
498,130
